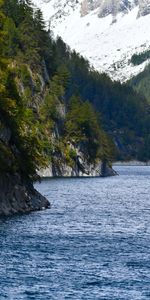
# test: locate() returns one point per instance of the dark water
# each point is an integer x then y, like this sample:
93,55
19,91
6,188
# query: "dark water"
93,244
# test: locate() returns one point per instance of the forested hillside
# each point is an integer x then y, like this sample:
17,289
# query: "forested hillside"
44,124
123,111
140,83
49,96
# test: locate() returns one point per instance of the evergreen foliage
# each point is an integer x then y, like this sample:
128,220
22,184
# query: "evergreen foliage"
138,59
82,125
140,83
39,77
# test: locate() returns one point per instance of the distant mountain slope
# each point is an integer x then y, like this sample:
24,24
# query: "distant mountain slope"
141,83
107,32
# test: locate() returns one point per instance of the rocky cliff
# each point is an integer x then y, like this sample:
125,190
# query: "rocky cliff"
81,168
69,158
18,196
43,121
114,7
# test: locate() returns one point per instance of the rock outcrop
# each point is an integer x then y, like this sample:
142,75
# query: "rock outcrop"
17,196
113,7
144,8
81,168
104,7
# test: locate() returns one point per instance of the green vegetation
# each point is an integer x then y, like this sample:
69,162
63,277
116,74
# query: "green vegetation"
22,144
138,59
82,125
25,145
140,83
52,103
34,93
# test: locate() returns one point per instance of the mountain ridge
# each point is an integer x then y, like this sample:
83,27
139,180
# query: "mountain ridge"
109,33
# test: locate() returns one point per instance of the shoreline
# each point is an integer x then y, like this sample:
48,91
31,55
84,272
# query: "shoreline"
132,163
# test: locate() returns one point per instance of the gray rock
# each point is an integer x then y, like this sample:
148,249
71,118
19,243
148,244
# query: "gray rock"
19,197
82,168
5,134
144,8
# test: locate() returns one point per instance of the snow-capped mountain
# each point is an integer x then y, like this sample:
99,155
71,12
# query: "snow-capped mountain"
106,32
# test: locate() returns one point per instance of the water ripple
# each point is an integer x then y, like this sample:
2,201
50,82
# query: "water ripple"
94,243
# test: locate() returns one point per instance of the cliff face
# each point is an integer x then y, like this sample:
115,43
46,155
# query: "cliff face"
17,196
81,168
40,124
68,158
59,9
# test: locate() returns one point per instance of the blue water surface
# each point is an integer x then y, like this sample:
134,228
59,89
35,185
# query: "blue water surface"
94,242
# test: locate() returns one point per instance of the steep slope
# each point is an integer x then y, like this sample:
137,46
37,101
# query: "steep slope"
141,83
106,32
49,97
39,125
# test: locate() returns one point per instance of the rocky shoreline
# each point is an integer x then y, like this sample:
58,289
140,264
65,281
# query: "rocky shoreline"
81,169
17,196
131,163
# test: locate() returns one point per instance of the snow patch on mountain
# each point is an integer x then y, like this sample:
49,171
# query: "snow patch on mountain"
106,42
